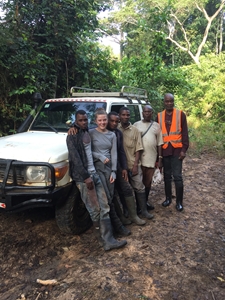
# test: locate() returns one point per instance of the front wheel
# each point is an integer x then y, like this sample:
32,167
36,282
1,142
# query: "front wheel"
72,216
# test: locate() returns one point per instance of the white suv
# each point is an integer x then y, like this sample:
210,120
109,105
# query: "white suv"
34,168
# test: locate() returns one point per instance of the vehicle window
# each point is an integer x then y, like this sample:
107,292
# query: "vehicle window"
116,108
134,113
58,116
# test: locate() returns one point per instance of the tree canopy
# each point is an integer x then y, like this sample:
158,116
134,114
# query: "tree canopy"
166,46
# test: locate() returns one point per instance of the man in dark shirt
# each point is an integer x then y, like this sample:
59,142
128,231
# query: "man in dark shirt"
83,172
122,185
174,128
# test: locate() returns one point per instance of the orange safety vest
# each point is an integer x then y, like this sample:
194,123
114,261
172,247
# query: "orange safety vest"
174,137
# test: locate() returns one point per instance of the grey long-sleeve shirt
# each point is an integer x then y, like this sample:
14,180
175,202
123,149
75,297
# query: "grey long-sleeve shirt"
104,146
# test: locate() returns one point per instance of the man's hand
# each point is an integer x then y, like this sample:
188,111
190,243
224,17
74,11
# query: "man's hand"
134,170
89,183
182,155
160,164
72,131
125,175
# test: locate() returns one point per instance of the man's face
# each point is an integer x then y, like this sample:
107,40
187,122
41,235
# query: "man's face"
82,121
168,102
147,113
113,122
125,117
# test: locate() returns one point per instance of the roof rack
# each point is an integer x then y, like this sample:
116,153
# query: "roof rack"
126,91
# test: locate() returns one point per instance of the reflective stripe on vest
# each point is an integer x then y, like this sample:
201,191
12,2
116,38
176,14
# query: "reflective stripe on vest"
174,137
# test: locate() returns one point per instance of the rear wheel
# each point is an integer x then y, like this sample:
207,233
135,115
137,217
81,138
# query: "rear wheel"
72,216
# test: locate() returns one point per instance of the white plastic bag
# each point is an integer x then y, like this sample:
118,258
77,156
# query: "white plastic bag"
157,177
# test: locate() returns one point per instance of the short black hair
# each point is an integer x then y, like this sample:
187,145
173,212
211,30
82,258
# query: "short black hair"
123,108
169,95
80,112
113,113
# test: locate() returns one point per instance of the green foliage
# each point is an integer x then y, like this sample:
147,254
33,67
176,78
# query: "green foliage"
95,67
182,23
48,46
206,137
156,78
204,98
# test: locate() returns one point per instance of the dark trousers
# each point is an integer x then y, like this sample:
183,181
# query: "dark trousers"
172,167
123,187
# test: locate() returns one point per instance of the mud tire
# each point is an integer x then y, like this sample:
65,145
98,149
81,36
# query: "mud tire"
72,216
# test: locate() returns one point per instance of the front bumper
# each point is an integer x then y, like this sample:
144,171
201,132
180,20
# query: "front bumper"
15,196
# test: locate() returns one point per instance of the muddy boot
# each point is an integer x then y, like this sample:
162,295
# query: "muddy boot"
96,233
149,205
116,223
168,192
131,206
107,236
141,198
119,212
179,197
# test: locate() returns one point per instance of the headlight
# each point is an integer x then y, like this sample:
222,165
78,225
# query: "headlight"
37,174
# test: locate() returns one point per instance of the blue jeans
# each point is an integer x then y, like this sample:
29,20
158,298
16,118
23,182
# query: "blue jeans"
99,210
172,167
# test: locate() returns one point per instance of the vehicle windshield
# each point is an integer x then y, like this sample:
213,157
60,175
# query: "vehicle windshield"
59,116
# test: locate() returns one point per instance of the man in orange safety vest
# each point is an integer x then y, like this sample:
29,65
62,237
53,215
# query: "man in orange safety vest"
174,128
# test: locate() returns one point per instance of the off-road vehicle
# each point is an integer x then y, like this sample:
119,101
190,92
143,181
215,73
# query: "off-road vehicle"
34,168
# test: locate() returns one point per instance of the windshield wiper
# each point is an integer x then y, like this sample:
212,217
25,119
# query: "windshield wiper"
50,126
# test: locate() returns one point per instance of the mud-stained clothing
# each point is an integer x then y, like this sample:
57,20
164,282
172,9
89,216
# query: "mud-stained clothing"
82,168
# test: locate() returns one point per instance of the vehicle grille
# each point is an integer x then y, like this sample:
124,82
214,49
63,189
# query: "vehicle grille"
15,176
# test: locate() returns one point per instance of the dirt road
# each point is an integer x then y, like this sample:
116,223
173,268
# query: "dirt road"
175,256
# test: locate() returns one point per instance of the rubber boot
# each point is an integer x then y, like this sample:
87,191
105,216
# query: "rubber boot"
131,206
96,232
116,223
141,198
119,212
179,196
168,192
149,205
109,241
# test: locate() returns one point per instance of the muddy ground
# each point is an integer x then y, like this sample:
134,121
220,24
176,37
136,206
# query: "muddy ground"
174,256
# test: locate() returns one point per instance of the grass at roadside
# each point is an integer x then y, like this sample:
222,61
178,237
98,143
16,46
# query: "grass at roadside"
206,137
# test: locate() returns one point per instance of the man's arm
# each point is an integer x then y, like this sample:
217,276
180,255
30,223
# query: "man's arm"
138,150
121,152
159,141
137,159
185,138
122,159
159,149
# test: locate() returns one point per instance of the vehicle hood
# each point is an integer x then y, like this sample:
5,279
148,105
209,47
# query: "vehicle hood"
34,147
